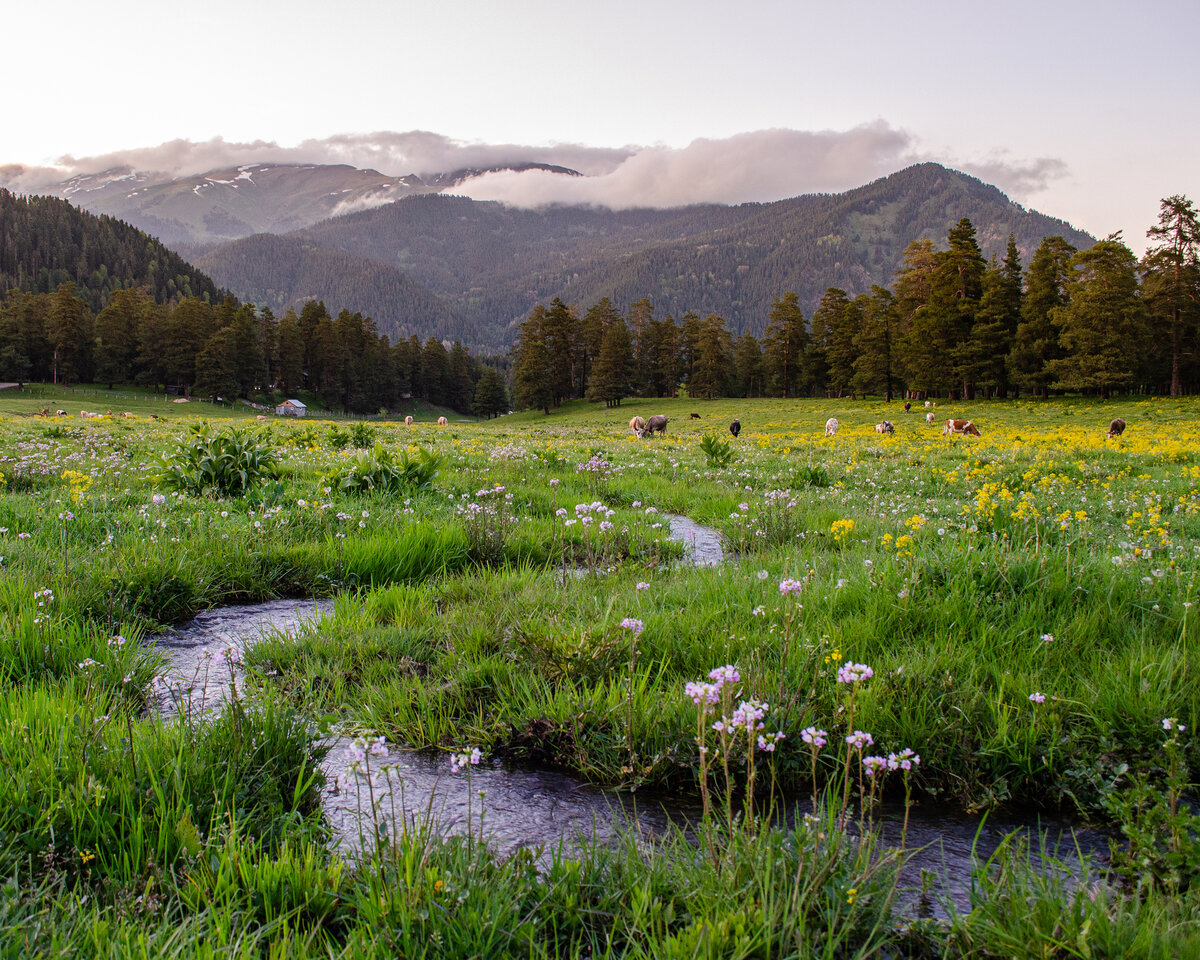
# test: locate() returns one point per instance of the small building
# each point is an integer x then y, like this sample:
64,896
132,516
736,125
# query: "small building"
292,408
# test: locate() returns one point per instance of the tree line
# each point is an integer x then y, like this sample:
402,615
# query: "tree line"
951,323
230,349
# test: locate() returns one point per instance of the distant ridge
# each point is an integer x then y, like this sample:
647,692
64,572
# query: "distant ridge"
489,264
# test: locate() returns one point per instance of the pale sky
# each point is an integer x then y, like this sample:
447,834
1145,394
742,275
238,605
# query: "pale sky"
1086,111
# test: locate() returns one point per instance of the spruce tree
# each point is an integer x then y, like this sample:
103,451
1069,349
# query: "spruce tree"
1172,278
491,399
612,374
1036,342
785,345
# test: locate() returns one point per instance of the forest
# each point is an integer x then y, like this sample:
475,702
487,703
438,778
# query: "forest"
952,323
91,299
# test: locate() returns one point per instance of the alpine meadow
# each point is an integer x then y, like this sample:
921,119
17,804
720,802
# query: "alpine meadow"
436,577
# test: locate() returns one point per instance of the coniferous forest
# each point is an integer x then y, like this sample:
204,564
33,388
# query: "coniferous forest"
92,299
952,323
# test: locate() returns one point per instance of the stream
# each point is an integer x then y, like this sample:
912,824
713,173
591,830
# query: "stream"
538,808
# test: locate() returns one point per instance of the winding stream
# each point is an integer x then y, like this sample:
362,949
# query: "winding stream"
543,808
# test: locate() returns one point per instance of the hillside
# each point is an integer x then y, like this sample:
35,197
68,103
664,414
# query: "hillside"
282,272
490,264
45,242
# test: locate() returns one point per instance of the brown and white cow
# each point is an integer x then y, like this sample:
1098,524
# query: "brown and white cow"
929,418
964,427
831,426
886,427
442,421
408,421
638,426
1116,428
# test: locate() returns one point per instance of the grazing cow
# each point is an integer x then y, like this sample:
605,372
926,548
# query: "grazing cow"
886,427
90,416
907,406
657,422
965,427
60,413
442,421
126,413
408,421
638,426
928,404
735,428
693,416
1116,428
929,419
831,426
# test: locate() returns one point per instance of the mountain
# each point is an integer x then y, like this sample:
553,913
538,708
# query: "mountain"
45,241
282,272
226,204
489,264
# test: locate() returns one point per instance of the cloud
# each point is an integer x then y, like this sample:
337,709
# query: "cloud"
1017,178
761,165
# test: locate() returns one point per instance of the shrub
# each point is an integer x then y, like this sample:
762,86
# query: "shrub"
718,453
225,464
379,470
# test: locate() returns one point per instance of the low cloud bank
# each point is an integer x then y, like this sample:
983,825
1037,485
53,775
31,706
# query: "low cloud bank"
761,165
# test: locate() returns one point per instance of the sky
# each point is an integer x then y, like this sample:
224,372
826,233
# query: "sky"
1086,111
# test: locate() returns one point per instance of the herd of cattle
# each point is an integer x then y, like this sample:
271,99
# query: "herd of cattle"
641,427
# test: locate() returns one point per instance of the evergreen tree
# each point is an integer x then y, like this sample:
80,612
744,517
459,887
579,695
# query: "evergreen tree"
1172,278
748,367
290,372
875,343
714,360
612,374
116,331
461,384
532,387
944,324
216,366
837,324
663,357
1103,323
491,399
69,326
785,345
591,333
1036,345
559,337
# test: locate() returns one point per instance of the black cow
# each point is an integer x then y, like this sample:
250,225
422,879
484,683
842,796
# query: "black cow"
736,427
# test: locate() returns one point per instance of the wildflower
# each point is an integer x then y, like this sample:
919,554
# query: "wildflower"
790,586
117,641
762,574
554,481
89,662
1047,638
860,740
749,714
851,894
157,498
905,760
814,737
703,693
874,765
642,586
457,761
767,741
725,674
632,623
759,611
1037,697
851,672
1170,723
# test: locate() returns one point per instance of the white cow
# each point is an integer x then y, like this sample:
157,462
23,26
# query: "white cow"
442,421
408,421
929,419
831,426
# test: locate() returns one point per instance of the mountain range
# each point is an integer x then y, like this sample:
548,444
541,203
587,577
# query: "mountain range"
421,261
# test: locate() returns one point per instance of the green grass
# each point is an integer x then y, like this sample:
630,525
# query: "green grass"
946,565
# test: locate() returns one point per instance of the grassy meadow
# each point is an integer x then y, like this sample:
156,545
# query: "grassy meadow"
1015,610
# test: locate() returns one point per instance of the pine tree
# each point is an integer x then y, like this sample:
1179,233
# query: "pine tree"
1036,344
612,374
875,343
116,332
748,367
531,366
714,360
1103,323
491,399
837,323
1172,277
69,326
785,345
